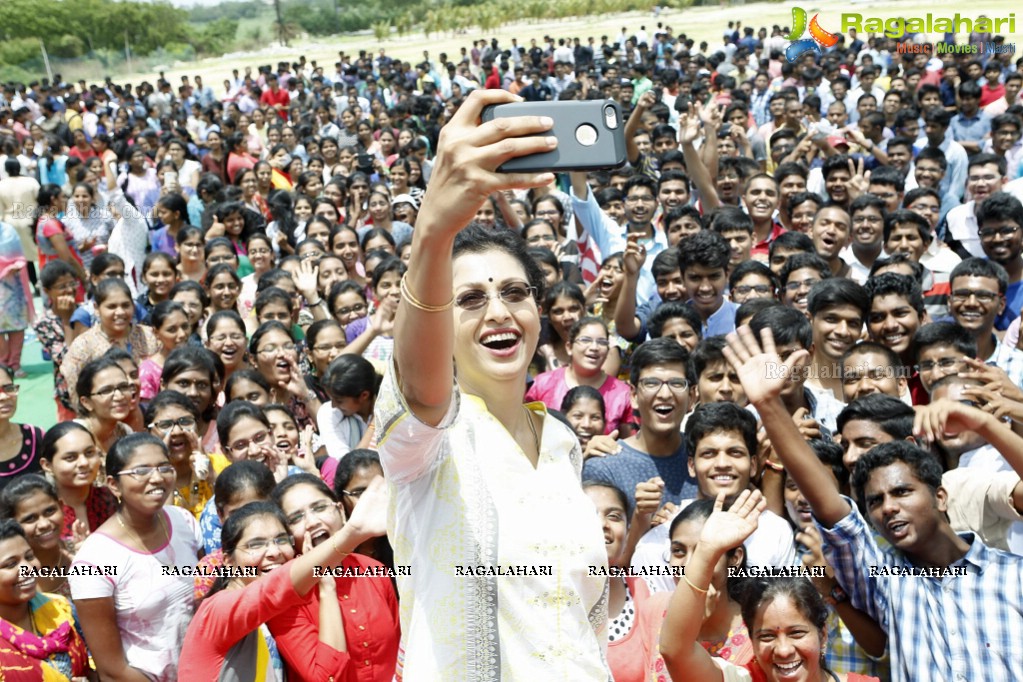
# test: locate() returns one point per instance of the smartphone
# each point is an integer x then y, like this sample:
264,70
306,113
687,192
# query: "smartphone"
591,135
170,179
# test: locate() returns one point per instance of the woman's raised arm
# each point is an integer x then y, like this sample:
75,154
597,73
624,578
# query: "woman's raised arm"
464,175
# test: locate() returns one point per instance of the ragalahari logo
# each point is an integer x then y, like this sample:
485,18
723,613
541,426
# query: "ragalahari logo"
818,36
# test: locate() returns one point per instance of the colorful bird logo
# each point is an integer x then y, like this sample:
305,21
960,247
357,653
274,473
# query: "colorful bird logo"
818,36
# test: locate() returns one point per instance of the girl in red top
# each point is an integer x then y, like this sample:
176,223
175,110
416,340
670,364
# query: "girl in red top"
785,616
358,640
227,632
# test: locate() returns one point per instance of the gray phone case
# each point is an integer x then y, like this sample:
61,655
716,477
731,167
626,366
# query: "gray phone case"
607,149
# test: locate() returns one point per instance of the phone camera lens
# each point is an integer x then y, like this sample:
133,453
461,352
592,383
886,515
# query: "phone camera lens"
610,117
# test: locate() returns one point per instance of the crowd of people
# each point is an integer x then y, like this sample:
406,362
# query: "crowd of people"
749,407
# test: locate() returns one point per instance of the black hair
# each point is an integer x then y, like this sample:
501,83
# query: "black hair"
836,291
239,477
1000,206
753,593
944,333
709,350
168,398
221,315
710,418
48,446
54,271
263,330
21,488
110,286
799,261
830,455
984,159
787,324
285,486
924,465
891,415
245,374
891,283
933,154
87,377
730,219
318,327
124,448
349,375
706,249
232,413
272,295
187,285
9,528
982,267
620,496
792,240
672,310
903,216
476,239
163,310
889,176
800,198
220,269
667,263
187,358
353,461
656,352
389,264
753,267
867,201
582,392
235,527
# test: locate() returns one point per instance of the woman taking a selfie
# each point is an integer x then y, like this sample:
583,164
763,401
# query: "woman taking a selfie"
476,475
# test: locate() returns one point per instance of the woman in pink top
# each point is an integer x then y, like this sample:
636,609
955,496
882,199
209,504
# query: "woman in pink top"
588,346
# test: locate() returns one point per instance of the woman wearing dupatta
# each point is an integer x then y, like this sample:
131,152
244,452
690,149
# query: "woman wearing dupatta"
39,639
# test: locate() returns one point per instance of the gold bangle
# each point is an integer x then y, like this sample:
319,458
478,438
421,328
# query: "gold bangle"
698,589
416,303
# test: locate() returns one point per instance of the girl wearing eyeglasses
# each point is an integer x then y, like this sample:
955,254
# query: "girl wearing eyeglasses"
348,627
276,358
104,400
70,456
477,475
116,309
228,631
135,621
19,443
173,418
588,347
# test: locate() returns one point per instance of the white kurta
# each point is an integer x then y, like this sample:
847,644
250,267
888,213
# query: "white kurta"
463,496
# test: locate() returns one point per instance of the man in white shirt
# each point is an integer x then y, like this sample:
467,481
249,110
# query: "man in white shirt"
985,175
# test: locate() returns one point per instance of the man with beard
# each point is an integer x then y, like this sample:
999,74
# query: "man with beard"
938,621
1000,222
